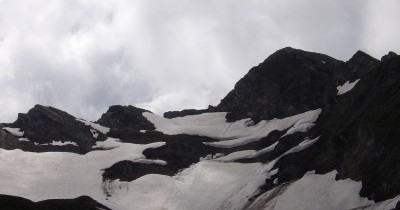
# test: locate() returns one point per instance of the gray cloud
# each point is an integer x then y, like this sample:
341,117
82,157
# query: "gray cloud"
82,56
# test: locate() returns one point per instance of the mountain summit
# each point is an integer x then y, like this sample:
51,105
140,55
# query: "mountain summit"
301,130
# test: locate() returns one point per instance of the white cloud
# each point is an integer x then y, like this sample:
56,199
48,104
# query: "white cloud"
82,56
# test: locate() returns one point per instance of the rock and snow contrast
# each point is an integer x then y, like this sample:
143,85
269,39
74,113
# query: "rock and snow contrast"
283,138
346,87
14,131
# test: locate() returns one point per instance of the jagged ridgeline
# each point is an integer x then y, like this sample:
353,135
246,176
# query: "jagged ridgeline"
301,130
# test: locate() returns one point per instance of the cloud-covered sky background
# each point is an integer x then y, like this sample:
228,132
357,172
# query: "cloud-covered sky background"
85,55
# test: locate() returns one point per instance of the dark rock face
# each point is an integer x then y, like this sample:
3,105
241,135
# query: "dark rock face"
43,125
81,203
388,56
359,137
289,82
125,122
125,116
364,125
7,140
127,170
359,65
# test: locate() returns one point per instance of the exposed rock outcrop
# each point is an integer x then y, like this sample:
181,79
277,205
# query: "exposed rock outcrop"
359,137
42,125
82,203
127,123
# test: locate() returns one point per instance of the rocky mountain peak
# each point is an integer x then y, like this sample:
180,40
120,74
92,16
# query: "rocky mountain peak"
361,56
360,64
277,87
304,131
118,116
126,123
43,113
43,125
388,56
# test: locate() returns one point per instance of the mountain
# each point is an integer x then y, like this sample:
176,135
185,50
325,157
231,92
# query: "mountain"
301,130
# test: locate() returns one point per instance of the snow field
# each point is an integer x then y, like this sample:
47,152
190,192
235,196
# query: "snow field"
315,192
234,134
56,175
209,184
95,126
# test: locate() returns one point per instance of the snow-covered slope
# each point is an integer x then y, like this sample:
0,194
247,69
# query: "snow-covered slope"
233,134
318,191
60,175
56,175
212,184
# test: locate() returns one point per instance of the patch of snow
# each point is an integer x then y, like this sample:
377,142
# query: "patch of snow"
149,161
143,131
300,147
23,139
95,126
218,155
323,61
302,127
275,181
14,131
233,134
273,172
244,154
301,121
59,143
207,157
346,87
208,124
389,204
313,191
56,143
95,133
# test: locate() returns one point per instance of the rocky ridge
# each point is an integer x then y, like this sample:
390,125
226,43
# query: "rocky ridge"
357,130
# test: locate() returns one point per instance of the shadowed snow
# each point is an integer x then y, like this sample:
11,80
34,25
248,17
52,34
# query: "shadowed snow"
14,131
233,134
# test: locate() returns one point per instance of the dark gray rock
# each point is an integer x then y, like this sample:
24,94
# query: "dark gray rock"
363,127
126,122
43,125
288,82
359,65
359,137
81,203
125,117
388,56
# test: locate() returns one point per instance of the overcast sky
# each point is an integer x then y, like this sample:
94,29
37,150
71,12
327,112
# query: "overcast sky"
83,56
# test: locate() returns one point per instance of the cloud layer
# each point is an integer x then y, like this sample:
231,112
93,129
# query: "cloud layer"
83,56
